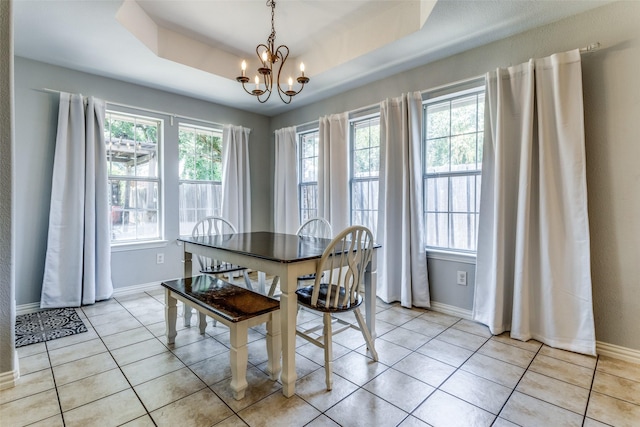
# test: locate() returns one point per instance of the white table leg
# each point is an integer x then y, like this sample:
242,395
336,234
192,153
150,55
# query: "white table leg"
274,345
288,311
186,310
370,286
170,315
238,358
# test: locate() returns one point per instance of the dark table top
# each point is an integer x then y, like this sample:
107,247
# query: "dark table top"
266,245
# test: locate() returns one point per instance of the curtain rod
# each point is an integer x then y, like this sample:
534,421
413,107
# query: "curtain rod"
587,49
591,48
164,113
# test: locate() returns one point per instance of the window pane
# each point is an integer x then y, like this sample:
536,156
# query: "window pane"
464,115
196,201
463,190
463,152
438,120
437,194
463,234
309,170
437,155
134,210
364,204
437,229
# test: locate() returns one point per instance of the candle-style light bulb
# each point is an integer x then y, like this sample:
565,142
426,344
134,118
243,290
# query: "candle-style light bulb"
302,68
290,83
257,80
264,56
244,67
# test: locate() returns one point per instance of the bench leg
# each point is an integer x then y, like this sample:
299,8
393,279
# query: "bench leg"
274,345
170,316
202,322
238,358
186,313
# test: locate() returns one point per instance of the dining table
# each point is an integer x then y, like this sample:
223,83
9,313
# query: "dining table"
287,256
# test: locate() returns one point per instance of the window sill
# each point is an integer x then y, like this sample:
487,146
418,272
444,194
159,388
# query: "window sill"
467,258
134,246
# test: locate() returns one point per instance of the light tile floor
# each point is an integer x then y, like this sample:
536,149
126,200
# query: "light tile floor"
434,369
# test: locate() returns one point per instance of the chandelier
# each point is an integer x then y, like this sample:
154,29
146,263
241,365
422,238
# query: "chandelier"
269,56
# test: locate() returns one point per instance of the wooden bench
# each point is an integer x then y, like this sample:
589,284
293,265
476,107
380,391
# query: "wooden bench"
236,307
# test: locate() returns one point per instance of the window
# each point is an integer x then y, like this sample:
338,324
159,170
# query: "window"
200,174
452,169
308,174
132,144
365,166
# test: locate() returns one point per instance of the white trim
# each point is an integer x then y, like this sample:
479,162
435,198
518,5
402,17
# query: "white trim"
134,246
32,307
451,310
618,352
451,256
143,287
8,379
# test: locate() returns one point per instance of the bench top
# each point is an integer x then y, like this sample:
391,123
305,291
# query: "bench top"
228,301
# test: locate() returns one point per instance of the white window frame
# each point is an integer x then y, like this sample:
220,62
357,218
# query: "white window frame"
200,212
306,212
157,180
448,251
359,180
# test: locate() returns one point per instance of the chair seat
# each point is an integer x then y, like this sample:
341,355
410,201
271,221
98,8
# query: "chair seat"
304,298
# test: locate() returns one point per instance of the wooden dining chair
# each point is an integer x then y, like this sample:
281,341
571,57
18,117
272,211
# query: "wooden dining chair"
218,226
313,227
343,263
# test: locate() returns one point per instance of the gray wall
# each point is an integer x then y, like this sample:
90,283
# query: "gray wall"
612,108
612,112
7,302
36,117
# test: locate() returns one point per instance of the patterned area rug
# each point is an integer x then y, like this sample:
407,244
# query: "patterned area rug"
47,325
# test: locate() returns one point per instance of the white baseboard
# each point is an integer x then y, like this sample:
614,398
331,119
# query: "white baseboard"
128,290
8,379
35,306
617,352
451,310
32,307
602,348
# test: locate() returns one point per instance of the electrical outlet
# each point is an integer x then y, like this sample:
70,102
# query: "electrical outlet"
160,258
462,278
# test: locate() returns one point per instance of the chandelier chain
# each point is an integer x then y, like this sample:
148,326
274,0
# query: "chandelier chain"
272,37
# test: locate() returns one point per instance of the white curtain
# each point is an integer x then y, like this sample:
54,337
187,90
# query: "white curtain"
533,264
78,260
285,186
333,171
236,185
403,274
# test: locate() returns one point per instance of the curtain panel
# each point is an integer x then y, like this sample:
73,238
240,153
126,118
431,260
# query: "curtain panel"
285,187
333,171
533,274
78,258
403,274
236,185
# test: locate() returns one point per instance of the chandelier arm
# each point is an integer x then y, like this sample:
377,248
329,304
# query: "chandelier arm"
283,56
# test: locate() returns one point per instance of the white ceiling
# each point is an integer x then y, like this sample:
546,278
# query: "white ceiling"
194,47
